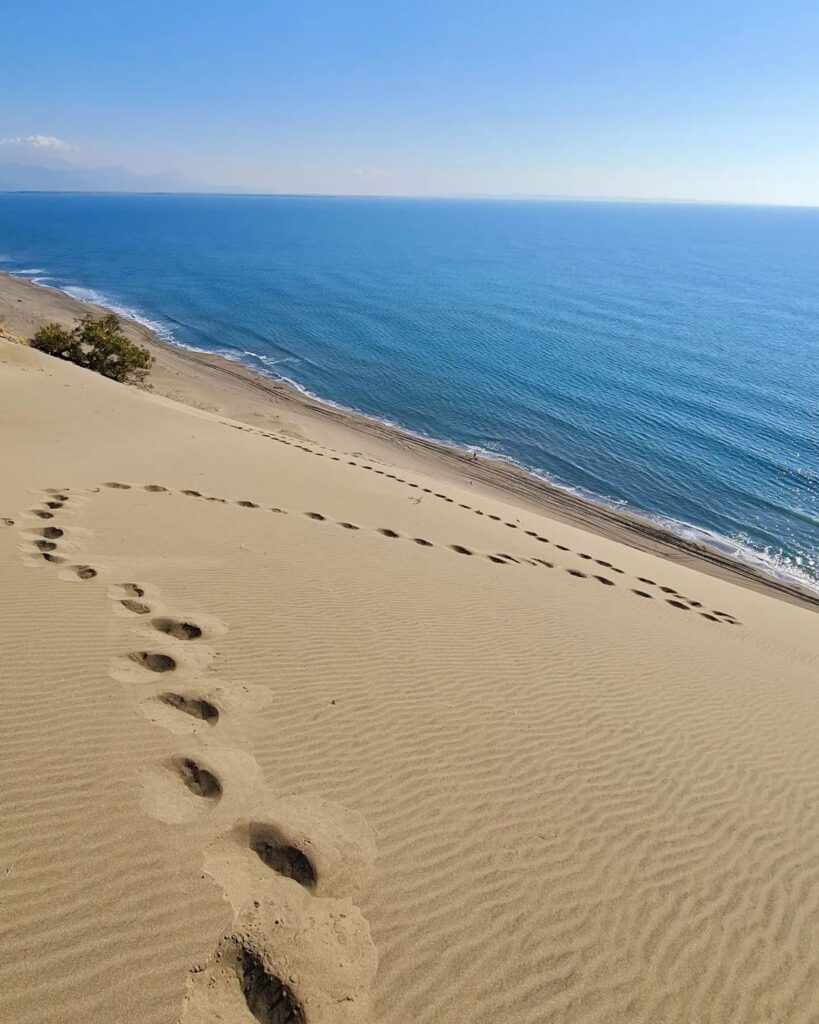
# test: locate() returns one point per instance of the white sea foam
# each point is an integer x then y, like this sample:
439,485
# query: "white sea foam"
83,294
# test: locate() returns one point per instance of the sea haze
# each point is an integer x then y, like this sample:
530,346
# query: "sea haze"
659,357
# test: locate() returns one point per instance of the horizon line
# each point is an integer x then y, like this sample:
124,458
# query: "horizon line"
466,196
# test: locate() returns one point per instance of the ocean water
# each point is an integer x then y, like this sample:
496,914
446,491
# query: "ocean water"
663,358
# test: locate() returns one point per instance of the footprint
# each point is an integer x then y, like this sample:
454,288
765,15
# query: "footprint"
642,579
422,541
155,488
196,707
180,630
154,662
577,572
641,593
53,504
711,618
385,532
137,607
84,572
459,549
133,590
41,515
55,559
320,947
316,515
497,560
7,522
677,604
348,526
668,590
198,779
51,532
45,545
542,561
247,504
120,487
267,997
605,581
192,494
280,856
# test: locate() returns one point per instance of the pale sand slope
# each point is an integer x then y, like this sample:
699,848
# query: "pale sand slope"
546,797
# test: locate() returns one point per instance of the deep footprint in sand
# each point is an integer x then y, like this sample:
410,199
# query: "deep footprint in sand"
199,780
178,629
154,662
196,707
280,856
267,997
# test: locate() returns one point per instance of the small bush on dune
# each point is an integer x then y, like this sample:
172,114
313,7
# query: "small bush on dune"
96,343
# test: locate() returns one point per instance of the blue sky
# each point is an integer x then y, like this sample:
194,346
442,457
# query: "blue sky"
712,101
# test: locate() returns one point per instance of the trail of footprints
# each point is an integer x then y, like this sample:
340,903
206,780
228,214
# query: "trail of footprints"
673,598
46,544
298,950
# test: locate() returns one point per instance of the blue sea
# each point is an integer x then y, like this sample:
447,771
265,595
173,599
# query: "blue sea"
662,358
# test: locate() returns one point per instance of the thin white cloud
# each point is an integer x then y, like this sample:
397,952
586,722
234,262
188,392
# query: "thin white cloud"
370,173
39,142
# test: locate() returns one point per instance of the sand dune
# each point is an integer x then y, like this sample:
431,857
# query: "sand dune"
297,729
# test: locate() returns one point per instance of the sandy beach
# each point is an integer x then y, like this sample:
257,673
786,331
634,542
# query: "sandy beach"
307,719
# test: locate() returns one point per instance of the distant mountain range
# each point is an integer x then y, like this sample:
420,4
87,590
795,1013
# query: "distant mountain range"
64,176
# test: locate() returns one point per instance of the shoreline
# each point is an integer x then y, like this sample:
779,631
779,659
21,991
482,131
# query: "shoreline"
219,384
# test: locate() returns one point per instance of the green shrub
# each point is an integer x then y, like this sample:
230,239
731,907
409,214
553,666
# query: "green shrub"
98,344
